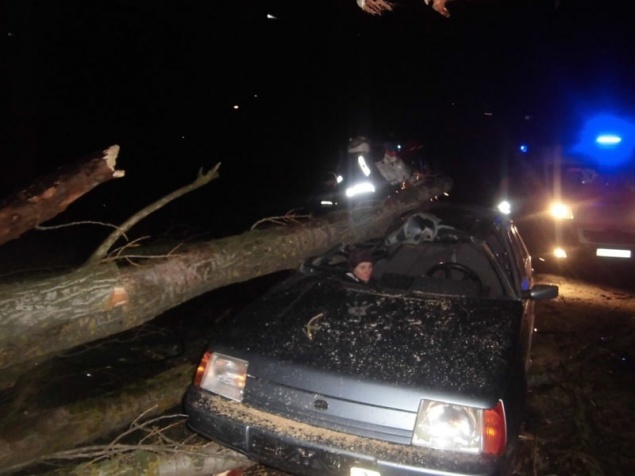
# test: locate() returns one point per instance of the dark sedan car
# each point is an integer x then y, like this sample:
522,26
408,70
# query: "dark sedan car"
422,372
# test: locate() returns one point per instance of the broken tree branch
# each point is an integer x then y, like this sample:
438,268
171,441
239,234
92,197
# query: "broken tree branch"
201,180
52,194
155,446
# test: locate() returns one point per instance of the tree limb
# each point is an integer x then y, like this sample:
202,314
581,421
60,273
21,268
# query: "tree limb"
52,194
41,317
201,180
151,449
26,438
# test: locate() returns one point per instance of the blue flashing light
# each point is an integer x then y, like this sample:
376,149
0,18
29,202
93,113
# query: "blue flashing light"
523,148
607,139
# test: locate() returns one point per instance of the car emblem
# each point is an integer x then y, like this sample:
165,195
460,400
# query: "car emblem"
321,405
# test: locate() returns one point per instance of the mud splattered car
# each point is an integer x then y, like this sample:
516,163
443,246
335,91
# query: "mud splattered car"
422,372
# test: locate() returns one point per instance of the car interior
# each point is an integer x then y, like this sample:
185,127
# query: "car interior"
425,255
443,268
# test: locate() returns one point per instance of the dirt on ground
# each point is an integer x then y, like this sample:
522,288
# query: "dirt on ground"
580,413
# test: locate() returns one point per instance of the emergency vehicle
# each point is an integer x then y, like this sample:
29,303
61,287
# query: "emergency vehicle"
587,204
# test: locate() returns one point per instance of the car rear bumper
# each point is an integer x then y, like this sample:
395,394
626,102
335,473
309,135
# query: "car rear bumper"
304,449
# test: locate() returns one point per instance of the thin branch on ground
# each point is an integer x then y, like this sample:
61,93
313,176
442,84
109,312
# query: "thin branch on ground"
153,439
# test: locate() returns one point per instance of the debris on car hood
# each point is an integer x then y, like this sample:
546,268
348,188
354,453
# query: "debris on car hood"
434,343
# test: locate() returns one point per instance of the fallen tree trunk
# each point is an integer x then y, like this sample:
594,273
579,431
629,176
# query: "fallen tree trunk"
42,317
182,462
25,438
52,194
59,436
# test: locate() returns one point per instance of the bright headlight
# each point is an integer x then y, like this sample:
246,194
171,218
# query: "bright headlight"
360,189
505,207
561,211
460,428
222,374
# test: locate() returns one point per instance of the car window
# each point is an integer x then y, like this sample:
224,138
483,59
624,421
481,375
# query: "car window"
522,256
495,243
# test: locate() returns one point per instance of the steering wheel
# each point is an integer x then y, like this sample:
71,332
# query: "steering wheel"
444,270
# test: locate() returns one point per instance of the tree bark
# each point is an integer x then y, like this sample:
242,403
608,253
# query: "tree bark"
52,194
25,438
149,463
156,442
44,316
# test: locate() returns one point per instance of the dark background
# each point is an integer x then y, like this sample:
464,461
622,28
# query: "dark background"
161,80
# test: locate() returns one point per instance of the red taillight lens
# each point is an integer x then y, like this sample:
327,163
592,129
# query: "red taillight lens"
494,430
200,370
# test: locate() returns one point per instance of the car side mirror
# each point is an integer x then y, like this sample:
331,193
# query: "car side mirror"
541,292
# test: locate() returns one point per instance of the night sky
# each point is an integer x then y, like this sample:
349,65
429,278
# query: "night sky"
161,79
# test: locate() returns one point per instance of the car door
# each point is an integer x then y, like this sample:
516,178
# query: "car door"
524,280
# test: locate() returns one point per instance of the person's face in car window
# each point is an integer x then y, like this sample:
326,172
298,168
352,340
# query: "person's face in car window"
363,271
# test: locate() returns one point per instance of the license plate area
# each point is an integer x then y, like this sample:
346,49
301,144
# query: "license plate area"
612,253
356,471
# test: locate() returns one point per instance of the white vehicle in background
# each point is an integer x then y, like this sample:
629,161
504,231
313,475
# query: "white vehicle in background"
588,200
